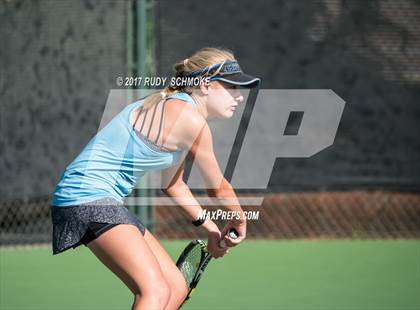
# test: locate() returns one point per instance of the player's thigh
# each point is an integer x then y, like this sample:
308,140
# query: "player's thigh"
124,251
171,272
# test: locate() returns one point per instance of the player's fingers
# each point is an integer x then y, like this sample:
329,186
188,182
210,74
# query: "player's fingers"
232,242
229,242
217,255
217,251
222,244
224,250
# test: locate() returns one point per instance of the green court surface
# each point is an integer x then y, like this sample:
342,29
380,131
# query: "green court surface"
299,275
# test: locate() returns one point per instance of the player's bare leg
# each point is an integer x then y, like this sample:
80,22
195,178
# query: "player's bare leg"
173,276
124,251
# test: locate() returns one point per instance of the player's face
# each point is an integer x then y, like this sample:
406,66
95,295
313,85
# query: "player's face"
223,99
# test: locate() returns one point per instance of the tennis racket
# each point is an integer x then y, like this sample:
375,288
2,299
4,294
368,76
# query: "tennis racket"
193,261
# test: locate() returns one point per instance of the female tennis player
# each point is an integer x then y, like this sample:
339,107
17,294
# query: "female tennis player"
151,134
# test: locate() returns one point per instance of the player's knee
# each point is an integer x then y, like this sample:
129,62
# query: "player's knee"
179,290
159,294
184,289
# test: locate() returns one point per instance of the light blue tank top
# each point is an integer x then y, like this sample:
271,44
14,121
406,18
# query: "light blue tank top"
112,162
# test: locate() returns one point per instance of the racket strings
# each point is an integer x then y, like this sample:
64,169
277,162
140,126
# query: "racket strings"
191,263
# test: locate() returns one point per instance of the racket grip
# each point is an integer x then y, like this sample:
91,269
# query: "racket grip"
232,234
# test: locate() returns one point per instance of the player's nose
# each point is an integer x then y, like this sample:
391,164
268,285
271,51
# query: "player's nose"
238,96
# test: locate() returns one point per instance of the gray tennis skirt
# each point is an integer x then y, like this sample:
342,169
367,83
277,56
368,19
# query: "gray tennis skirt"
72,224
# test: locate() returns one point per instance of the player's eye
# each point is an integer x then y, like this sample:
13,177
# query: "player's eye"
230,86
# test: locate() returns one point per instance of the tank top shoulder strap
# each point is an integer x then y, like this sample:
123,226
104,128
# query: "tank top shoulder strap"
132,107
139,104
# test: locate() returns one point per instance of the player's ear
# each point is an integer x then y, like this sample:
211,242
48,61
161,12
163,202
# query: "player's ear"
204,88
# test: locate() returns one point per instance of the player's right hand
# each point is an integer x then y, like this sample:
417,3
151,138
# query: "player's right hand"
213,244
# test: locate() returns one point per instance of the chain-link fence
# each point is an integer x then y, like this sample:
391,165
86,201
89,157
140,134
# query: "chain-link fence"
351,214
367,52
355,214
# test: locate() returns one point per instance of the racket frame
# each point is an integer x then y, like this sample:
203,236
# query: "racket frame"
204,260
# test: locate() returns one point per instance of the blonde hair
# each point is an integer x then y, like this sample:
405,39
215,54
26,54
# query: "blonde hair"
201,59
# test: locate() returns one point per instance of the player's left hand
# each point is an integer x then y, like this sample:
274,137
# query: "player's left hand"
240,231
